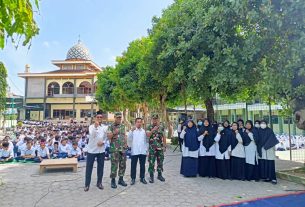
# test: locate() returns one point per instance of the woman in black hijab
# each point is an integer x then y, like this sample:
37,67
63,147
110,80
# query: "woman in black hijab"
207,151
223,147
189,161
238,157
266,151
251,167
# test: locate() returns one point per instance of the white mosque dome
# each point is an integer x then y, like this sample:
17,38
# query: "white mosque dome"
78,52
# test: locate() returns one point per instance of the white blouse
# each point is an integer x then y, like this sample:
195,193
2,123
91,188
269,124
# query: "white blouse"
239,150
185,150
202,149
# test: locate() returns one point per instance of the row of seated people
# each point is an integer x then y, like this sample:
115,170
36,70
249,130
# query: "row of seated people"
30,153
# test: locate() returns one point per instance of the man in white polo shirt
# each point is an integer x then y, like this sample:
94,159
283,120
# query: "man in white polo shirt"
96,149
139,144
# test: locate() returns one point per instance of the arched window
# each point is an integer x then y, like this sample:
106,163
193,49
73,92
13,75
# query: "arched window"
53,88
84,88
67,88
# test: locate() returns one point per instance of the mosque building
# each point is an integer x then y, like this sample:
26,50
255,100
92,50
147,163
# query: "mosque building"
65,93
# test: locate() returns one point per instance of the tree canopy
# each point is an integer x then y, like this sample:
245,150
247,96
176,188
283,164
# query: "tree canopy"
237,49
17,21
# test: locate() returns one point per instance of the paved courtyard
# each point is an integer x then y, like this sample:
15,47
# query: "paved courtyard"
23,186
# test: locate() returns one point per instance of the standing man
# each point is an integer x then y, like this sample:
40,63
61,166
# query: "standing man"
157,147
96,149
138,143
118,147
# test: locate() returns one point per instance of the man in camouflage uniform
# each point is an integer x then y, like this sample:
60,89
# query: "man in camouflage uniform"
157,146
118,146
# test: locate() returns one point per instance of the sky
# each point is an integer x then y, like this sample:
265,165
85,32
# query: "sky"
104,26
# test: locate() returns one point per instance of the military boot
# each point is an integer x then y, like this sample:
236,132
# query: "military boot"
122,182
113,183
160,177
151,178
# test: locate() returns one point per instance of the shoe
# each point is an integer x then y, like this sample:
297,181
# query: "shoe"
160,177
142,180
274,182
113,183
100,186
86,188
133,181
151,178
122,182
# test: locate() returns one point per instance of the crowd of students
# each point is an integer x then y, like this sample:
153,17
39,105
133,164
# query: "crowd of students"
45,141
228,151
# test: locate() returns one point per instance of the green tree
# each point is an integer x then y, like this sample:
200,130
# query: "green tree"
207,47
3,86
17,21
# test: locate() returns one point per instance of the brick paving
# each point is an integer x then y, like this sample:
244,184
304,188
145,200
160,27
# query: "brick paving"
23,186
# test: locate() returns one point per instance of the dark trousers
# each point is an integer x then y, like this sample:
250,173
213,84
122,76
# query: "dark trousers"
100,158
134,161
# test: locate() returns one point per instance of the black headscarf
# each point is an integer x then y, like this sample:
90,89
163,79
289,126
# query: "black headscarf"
191,137
225,139
245,135
234,140
208,140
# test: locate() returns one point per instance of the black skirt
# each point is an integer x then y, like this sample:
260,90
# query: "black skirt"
267,169
207,166
238,168
252,171
189,166
223,169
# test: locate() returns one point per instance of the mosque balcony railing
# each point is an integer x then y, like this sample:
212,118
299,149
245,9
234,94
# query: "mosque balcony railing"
60,96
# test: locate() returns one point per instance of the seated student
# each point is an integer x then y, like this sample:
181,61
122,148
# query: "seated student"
63,149
42,151
23,145
7,139
75,152
55,150
27,154
6,154
19,144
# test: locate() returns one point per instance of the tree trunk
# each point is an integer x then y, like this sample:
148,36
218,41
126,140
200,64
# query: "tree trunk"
210,110
145,113
125,116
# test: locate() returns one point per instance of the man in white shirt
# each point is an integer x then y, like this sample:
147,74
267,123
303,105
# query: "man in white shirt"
138,142
96,149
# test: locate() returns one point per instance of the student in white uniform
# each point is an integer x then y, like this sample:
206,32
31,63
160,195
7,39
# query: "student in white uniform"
63,149
139,145
223,147
7,139
266,150
6,154
238,157
96,150
75,151
251,167
42,151
207,151
190,147
27,154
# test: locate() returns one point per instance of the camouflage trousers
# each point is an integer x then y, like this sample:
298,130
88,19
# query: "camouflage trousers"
153,155
118,160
